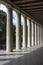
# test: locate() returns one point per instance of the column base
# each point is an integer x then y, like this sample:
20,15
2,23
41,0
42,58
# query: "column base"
24,48
17,50
28,46
9,51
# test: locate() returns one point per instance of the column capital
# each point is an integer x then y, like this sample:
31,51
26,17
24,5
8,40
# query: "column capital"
29,19
10,9
32,21
24,15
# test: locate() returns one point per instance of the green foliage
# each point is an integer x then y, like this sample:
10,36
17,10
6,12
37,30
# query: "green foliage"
2,25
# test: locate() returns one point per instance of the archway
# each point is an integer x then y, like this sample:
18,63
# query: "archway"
3,18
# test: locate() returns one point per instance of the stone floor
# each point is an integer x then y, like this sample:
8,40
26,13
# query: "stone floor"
30,56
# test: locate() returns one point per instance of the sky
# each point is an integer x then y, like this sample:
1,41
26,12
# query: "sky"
3,7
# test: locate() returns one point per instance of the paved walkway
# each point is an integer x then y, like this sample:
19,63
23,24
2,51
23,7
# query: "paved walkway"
32,56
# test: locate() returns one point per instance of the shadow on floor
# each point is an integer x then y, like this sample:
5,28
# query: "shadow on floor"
33,58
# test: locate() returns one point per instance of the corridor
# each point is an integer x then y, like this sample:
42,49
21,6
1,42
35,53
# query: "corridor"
21,32
32,56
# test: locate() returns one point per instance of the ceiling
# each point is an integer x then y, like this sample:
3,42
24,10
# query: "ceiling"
32,7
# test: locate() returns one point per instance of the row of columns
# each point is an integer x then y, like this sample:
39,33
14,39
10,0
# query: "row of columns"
34,32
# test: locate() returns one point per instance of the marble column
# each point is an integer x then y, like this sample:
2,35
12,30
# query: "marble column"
24,32
38,34
9,31
35,34
41,35
18,31
29,35
32,33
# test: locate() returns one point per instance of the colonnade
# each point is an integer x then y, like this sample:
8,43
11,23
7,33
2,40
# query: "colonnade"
33,38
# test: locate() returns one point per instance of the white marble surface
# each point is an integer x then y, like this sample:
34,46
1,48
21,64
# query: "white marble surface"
22,57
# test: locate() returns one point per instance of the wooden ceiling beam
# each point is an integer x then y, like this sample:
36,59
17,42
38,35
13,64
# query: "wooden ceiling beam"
35,10
38,12
31,5
23,1
28,5
32,8
26,2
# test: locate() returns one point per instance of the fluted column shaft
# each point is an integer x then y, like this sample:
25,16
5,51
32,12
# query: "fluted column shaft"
35,34
38,34
29,33
32,33
24,32
9,30
18,31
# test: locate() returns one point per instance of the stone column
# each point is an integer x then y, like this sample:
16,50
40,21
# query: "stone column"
9,30
18,31
24,33
38,33
35,34
29,33
41,35
32,33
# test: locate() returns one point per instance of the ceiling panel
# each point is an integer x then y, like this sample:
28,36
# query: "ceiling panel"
33,7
